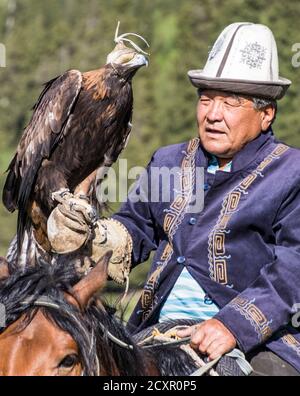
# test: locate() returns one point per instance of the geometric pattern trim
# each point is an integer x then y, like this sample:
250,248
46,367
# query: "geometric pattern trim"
291,341
217,257
254,315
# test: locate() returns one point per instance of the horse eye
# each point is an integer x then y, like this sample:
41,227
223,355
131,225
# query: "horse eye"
69,361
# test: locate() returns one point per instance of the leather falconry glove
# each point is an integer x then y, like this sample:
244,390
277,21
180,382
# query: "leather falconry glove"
74,223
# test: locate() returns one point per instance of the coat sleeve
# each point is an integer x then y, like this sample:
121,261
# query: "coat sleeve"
135,214
267,304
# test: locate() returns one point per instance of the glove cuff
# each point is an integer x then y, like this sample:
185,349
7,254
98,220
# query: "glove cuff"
111,234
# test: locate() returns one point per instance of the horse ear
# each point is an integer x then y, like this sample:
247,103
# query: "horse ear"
93,282
4,272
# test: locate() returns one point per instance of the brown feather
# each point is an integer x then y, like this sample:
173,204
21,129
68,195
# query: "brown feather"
96,80
39,222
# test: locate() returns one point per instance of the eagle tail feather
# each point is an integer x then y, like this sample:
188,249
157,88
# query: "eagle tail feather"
11,188
24,221
23,226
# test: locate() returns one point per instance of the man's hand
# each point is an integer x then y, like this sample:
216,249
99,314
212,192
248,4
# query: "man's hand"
210,337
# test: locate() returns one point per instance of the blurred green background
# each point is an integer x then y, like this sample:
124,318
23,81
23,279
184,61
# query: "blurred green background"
45,38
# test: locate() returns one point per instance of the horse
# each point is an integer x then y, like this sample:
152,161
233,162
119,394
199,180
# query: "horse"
56,324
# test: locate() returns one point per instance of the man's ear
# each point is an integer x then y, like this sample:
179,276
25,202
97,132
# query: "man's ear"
267,114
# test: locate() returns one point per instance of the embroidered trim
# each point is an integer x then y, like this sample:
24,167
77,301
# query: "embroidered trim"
148,295
291,342
172,221
254,315
178,207
217,258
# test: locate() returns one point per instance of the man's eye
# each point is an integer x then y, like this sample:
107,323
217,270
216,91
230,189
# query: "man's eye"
69,361
232,102
205,101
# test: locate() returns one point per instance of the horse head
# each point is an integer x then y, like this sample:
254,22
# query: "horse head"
46,331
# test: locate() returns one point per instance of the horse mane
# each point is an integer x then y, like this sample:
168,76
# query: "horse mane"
89,327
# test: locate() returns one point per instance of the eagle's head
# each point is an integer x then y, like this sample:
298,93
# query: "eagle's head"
128,59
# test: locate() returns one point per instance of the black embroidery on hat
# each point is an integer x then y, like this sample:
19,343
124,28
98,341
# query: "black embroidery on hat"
253,55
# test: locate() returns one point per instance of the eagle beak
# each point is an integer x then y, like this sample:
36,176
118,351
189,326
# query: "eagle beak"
137,61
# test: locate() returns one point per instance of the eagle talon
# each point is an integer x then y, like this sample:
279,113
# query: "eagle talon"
93,217
84,197
60,194
65,192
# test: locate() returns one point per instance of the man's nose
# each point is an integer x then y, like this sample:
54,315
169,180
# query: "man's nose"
215,111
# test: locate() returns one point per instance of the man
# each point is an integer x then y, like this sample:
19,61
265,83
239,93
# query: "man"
235,262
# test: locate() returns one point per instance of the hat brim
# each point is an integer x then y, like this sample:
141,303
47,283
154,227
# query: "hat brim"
264,89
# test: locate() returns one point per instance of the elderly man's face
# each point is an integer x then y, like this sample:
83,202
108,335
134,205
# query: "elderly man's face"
226,123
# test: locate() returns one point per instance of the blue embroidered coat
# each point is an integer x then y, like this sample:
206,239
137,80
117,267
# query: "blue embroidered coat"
243,247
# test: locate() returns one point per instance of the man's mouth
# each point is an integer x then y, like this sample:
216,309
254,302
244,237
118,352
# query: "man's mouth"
214,131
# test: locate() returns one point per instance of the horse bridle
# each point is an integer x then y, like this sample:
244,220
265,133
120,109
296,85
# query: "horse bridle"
44,301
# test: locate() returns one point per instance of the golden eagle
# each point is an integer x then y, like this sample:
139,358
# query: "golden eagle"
80,122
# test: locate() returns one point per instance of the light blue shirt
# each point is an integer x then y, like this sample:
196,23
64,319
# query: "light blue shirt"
187,300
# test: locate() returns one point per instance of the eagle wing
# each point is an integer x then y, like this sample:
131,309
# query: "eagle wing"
48,124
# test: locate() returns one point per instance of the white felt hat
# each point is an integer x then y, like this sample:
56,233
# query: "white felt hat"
243,60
